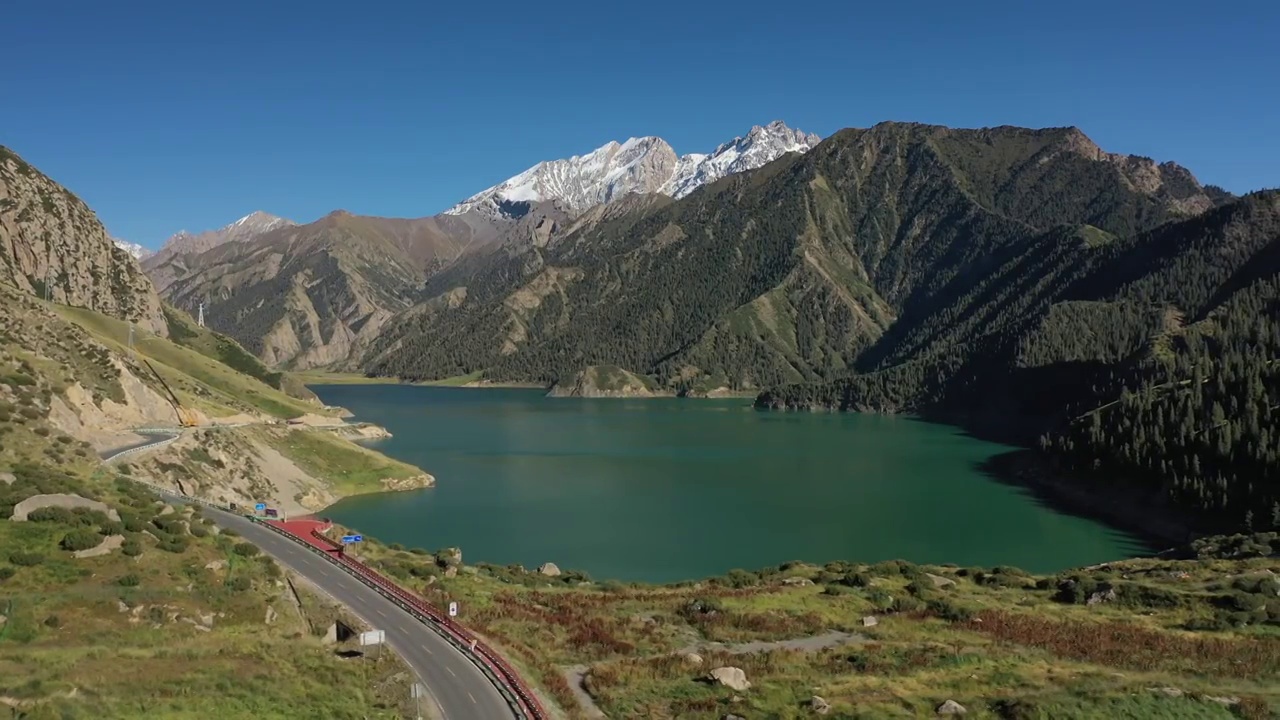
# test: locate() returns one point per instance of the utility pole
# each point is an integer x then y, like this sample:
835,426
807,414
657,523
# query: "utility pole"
200,318
131,337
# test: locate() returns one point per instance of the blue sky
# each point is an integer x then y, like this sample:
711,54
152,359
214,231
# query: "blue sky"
171,115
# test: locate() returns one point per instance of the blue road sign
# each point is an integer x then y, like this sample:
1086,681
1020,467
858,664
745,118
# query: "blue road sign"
260,507
352,538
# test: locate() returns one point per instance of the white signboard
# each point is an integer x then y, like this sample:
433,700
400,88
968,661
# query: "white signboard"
373,637
453,609
418,691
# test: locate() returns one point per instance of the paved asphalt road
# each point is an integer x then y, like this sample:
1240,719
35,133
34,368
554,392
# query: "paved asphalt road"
151,439
458,686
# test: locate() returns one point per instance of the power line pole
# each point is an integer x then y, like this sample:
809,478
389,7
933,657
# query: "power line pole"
200,318
131,337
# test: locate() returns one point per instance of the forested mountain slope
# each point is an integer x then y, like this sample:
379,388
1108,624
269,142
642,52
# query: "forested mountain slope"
791,273
1151,359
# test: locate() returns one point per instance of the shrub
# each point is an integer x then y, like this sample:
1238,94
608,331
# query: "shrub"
53,621
41,431
51,514
26,559
239,583
907,604
130,580
132,548
112,527
198,531
245,549
856,579
173,545
7,572
838,590
80,540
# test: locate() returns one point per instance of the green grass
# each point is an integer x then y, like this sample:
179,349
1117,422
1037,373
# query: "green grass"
322,377
457,381
1070,660
348,468
200,381
65,629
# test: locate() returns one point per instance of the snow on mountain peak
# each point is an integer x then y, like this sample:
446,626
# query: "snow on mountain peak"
137,251
638,165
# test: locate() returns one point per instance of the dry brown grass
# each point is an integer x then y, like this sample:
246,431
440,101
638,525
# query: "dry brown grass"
1123,645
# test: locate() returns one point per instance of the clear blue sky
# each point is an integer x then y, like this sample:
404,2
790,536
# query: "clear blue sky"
170,115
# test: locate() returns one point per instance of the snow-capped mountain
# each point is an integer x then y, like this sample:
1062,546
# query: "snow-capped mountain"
246,228
134,249
639,165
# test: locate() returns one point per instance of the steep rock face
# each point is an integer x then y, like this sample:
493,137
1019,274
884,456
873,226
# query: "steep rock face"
791,273
52,245
172,260
137,251
310,295
637,166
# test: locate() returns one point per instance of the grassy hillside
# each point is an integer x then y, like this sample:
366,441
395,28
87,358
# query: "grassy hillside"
200,380
1197,637
179,621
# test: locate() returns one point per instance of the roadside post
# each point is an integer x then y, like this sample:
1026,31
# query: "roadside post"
416,692
347,540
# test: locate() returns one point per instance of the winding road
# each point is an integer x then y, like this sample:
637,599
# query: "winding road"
458,688
457,685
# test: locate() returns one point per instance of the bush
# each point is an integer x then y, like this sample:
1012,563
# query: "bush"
52,515
239,583
907,604
856,579
7,572
133,523
245,549
130,580
41,431
112,527
26,559
80,540
132,548
198,531
838,590
173,545
53,621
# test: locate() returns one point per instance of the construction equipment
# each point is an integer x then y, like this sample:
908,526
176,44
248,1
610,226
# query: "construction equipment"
186,418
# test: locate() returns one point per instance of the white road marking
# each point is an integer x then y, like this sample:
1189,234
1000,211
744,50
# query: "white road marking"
451,672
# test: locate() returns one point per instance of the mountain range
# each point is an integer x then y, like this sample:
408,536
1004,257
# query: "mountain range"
317,295
637,166
1108,309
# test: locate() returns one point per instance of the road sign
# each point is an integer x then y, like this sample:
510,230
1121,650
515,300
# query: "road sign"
260,507
453,609
272,512
352,538
419,690
373,637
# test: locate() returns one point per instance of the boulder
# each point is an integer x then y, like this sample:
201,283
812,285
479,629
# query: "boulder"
109,543
951,707
940,581
271,615
1101,596
166,510
451,571
730,677
69,501
693,658
819,705
870,621
549,569
215,565
7,478
797,582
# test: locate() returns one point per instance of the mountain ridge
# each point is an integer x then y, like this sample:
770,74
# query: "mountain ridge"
638,165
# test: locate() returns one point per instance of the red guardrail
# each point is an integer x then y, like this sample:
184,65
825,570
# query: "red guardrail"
482,653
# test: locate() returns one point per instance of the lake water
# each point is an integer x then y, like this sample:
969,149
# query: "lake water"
671,489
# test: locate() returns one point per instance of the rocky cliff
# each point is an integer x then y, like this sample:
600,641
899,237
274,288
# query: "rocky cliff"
52,245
